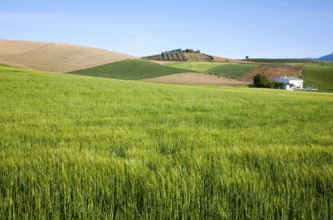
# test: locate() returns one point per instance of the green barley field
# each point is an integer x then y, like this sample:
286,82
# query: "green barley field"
229,70
79,147
319,75
131,70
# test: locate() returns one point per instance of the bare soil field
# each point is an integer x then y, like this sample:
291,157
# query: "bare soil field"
55,57
195,78
223,59
272,71
199,57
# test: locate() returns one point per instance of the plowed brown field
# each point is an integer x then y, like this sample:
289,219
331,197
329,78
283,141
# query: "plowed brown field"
272,71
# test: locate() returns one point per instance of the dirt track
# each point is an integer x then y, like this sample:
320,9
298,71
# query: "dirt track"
56,57
195,78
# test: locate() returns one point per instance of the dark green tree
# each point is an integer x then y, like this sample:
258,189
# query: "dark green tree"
261,81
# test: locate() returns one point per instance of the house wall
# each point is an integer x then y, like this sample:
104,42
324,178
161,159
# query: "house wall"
298,84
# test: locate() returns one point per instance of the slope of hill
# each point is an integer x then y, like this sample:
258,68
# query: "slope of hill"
326,58
229,70
195,79
181,55
131,69
56,57
74,147
223,59
272,71
282,60
320,76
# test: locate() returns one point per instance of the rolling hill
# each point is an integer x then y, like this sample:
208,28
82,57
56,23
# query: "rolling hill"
326,58
282,60
196,79
55,57
80,60
229,70
320,76
273,70
131,70
181,55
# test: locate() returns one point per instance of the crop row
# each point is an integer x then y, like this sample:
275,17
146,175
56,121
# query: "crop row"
179,55
285,60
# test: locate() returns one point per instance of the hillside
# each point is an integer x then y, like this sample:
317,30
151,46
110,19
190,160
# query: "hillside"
229,70
320,76
181,55
327,57
178,73
56,57
315,74
74,147
195,79
282,60
223,59
272,71
131,70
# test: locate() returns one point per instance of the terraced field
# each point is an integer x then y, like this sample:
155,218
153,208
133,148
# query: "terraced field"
74,147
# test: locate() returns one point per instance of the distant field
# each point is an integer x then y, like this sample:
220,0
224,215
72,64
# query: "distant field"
283,60
321,76
274,70
56,57
232,70
131,70
196,79
181,55
75,147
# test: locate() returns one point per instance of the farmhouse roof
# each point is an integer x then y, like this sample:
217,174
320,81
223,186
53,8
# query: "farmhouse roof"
289,78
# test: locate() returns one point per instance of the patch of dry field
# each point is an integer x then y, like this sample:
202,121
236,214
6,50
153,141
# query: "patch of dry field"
195,78
55,57
273,71
223,59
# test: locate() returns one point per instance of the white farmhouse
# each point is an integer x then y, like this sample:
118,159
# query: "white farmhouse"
290,83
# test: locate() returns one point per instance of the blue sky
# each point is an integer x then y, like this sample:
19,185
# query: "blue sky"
234,29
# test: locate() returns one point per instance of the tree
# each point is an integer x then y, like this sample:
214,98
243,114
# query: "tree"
261,81
247,57
189,51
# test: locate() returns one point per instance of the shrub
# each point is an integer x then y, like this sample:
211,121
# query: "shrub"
261,81
189,51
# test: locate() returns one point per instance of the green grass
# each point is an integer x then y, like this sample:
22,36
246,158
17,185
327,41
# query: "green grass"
74,147
319,75
130,70
231,70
